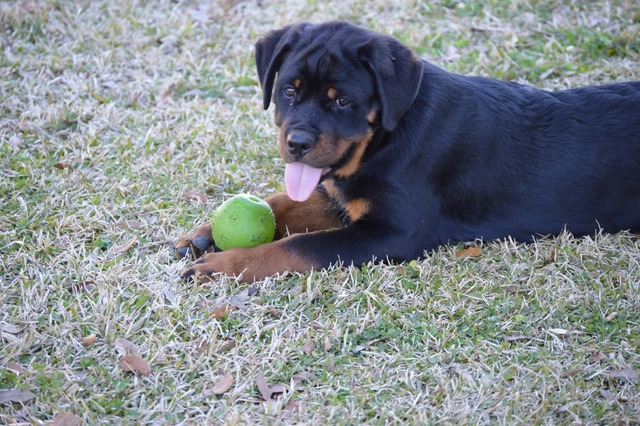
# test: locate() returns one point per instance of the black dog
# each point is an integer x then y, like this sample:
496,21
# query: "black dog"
388,156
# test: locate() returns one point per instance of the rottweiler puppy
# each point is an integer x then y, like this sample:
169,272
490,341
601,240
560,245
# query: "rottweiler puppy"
388,157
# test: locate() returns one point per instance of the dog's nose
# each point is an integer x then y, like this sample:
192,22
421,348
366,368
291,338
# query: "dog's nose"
299,143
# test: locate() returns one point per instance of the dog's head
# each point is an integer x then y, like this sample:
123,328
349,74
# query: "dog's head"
335,86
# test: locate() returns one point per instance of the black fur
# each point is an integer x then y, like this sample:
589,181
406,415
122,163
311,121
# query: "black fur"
452,158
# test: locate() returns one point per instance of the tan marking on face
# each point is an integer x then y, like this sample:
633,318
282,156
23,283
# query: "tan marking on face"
357,208
297,83
372,116
332,93
353,165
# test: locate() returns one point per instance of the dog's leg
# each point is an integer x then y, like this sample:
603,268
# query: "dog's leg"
292,217
360,242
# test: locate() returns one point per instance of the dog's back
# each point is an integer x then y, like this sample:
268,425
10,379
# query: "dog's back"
510,160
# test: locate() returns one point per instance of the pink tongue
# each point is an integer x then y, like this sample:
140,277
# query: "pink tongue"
300,180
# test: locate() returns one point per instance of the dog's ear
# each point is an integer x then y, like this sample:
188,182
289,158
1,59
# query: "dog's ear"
271,50
397,75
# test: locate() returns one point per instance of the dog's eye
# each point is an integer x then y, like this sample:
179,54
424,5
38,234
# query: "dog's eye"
290,92
343,102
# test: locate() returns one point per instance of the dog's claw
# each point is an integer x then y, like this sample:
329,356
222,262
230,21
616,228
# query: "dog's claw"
182,252
202,243
187,275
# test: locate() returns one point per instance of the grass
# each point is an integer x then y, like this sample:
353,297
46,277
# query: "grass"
111,110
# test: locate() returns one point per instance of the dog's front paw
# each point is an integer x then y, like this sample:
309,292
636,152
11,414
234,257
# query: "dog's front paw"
195,244
227,262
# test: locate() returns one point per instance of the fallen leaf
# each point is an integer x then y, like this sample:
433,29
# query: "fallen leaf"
226,346
134,364
278,389
292,405
201,344
124,247
15,395
626,373
597,357
304,376
558,331
287,334
89,340
553,255
128,224
62,166
128,346
15,368
331,364
10,328
169,294
222,311
571,372
611,396
223,385
195,196
80,286
65,419
263,387
308,347
469,252
327,345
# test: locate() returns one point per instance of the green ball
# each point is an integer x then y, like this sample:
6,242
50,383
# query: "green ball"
243,221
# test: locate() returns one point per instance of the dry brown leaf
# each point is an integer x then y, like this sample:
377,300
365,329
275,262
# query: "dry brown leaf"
226,346
327,345
88,340
553,255
278,389
15,395
62,166
124,247
134,364
15,368
223,384
292,405
469,252
626,373
571,372
597,357
308,347
304,376
331,364
611,396
65,419
128,224
128,346
263,387
195,196
222,311
10,328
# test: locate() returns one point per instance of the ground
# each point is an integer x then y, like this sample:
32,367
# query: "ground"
124,123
